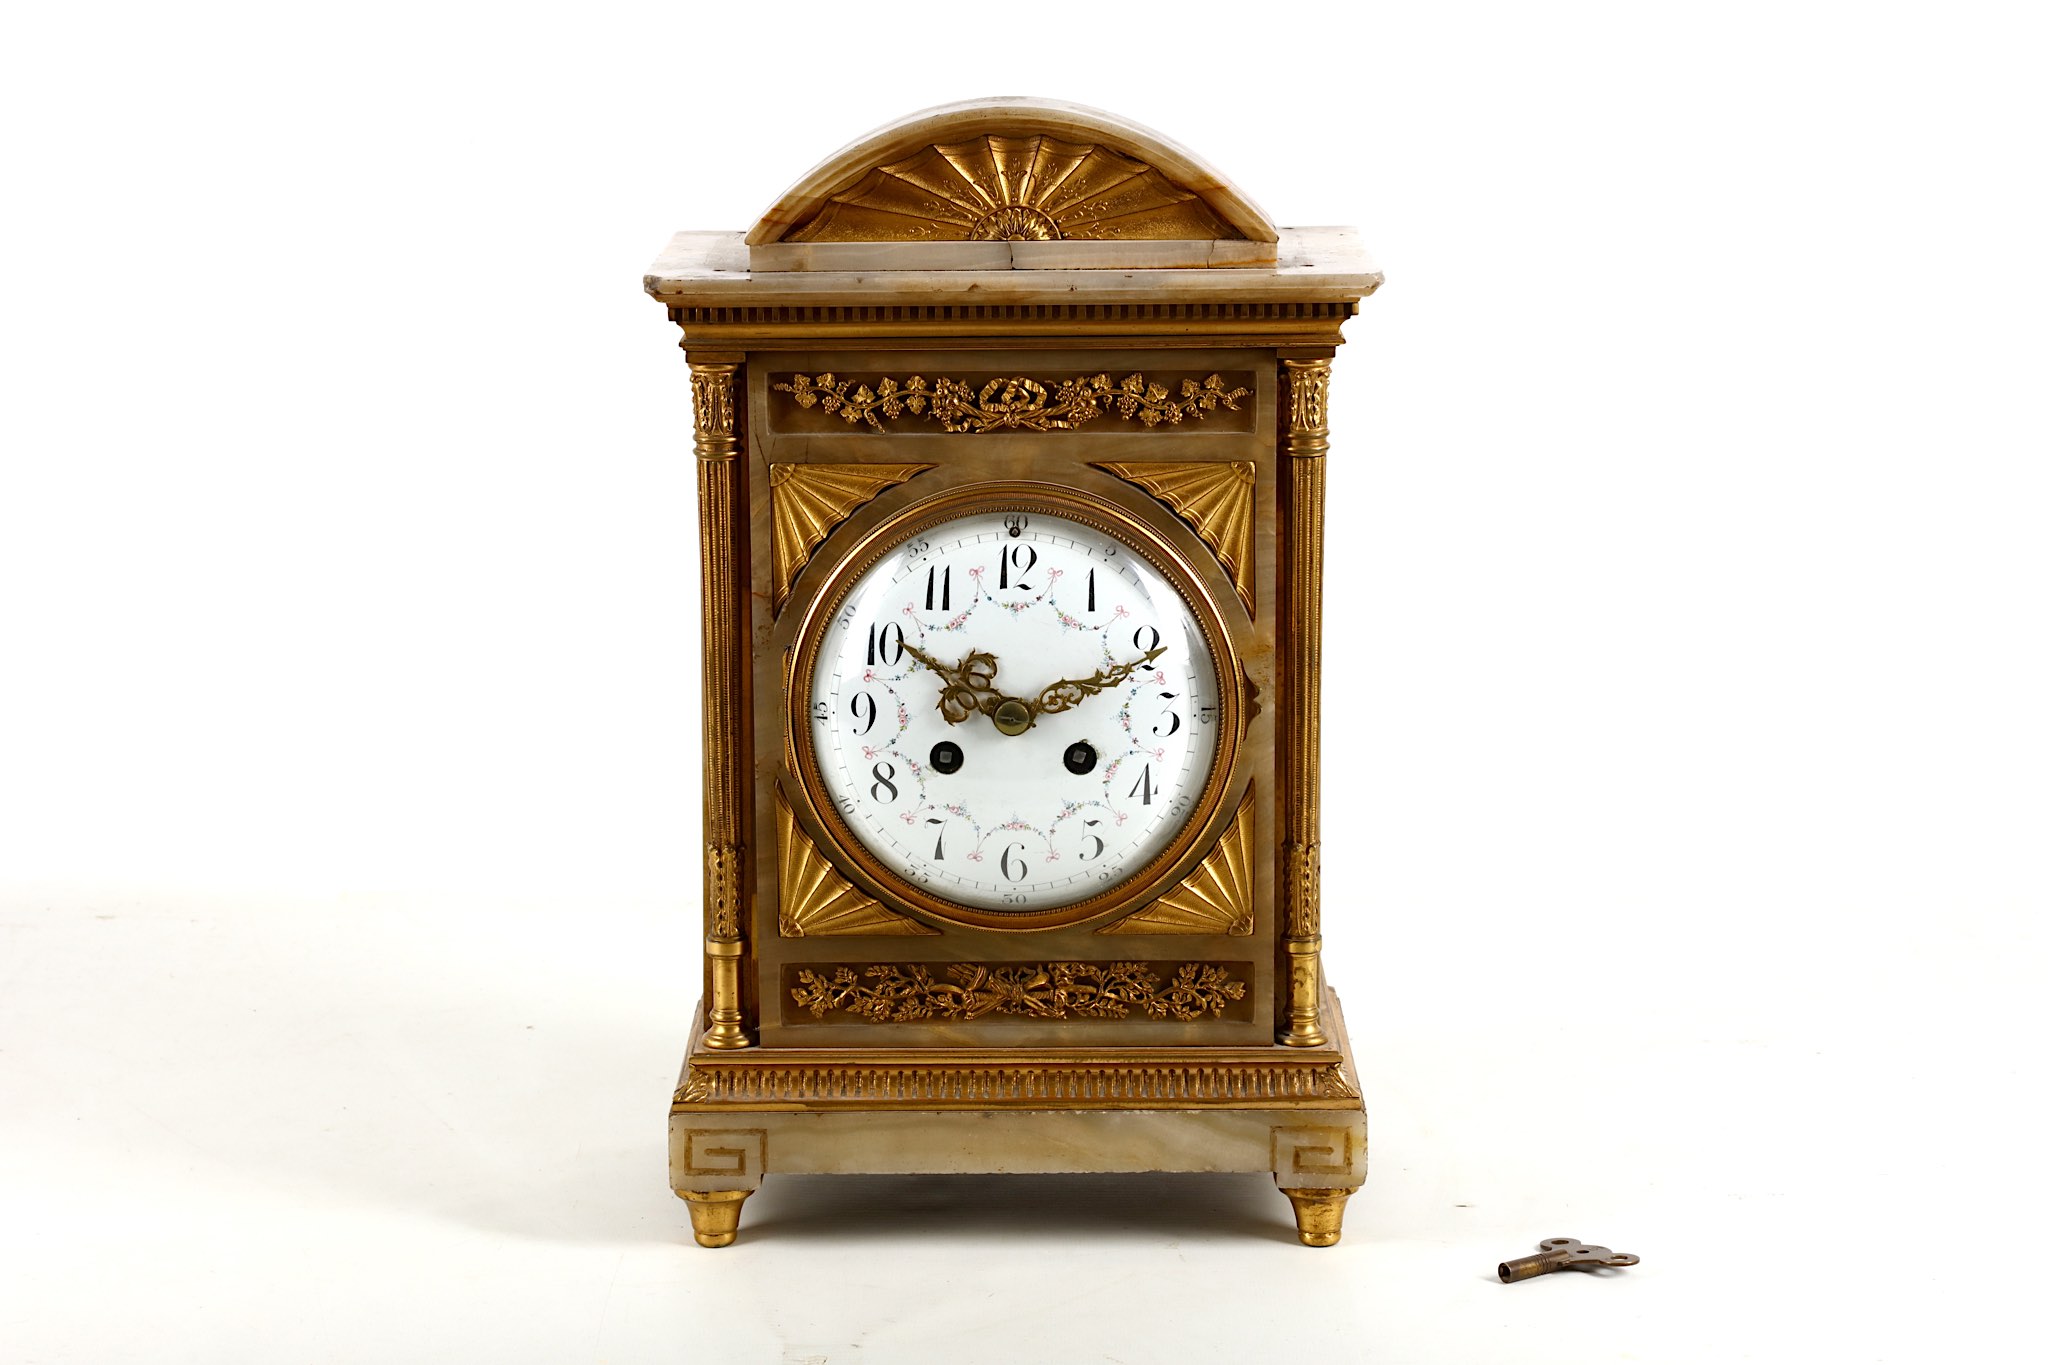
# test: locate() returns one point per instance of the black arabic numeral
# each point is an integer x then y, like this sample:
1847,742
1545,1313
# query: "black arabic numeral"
1021,869
938,588
884,772
1024,559
1099,845
939,844
864,709
885,645
1144,645
1173,716
1143,786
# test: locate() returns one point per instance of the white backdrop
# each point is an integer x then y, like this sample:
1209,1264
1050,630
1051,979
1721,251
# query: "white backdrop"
1685,798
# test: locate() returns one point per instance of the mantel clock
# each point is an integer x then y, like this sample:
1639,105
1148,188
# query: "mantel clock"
1010,425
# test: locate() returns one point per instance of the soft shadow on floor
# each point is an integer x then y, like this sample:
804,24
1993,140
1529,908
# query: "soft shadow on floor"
875,1208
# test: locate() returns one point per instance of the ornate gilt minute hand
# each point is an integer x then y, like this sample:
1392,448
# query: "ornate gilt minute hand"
969,689
1068,693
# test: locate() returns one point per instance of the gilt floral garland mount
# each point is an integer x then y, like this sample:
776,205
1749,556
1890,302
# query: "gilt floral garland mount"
892,993
1014,403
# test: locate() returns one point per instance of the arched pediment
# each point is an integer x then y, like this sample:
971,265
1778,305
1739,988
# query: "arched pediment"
1016,170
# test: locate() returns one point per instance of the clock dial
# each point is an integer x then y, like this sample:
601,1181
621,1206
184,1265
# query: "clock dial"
1014,711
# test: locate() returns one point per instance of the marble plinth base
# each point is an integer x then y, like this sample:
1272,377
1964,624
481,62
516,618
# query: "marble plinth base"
1314,1145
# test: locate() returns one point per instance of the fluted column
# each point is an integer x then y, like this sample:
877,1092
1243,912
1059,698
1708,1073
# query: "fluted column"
721,505
1305,441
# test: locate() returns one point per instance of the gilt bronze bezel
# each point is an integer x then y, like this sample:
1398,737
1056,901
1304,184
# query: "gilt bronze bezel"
1221,789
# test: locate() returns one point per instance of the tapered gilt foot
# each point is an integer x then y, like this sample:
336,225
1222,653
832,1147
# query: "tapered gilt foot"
1318,1215
715,1215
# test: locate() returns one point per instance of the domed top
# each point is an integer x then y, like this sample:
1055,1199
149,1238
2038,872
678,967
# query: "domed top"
1015,170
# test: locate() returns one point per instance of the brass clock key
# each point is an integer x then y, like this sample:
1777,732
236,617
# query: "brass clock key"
1563,1253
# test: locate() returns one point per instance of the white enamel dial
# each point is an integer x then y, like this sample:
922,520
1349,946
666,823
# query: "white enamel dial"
1014,711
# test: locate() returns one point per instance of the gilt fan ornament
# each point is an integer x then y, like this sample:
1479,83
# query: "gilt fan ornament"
1014,189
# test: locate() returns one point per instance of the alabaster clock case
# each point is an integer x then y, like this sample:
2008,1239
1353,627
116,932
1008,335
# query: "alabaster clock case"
1011,429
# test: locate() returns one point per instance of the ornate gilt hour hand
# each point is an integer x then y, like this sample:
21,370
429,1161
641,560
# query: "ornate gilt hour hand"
969,685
